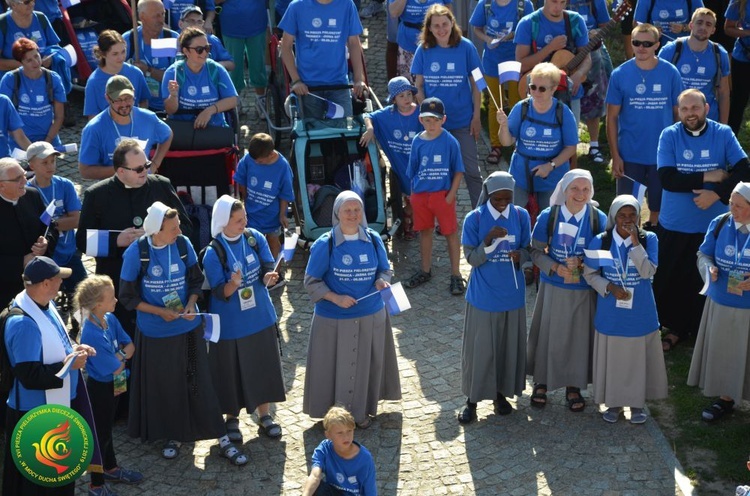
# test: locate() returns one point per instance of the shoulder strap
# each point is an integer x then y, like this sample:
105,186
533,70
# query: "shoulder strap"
144,254
719,225
221,253
524,109
42,19
606,240
717,56
250,239
487,10
520,10
534,28
213,72
552,222
182,248
16,86
677,51
179,72
593,220
48,82
4,23
559,113
569,32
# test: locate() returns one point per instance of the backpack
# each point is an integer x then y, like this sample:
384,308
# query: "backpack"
322,207
221,252
558,114
144,251
535,22
488,10
717,55
649,19
6,370
607,239
40,17
17,85
723,220
552,221
213,72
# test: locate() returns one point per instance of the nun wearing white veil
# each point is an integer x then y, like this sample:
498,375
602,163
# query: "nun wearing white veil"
351,356
245,362
495,241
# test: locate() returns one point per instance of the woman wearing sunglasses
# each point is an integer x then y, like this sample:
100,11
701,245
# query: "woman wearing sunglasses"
197,87
546,135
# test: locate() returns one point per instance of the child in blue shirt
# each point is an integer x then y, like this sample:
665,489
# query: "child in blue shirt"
340,465
435,171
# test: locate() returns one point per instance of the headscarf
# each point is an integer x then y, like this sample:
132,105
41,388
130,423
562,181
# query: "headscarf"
497,181
344,197
743,189
558,196
220,214
617,204
154,218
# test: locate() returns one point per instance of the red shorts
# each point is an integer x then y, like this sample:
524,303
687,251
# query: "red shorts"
430,206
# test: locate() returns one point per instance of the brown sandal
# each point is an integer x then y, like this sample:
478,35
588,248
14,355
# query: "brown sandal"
493,158
669,341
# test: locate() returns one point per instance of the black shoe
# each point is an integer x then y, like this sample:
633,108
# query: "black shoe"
467,414
502,407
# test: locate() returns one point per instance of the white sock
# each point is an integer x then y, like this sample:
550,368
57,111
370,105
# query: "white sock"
594,144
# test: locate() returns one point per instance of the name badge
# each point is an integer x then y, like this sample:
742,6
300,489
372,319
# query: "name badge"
247,298
626,304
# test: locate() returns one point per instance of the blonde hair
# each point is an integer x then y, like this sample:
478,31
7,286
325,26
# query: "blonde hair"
646,28
337,415
89,294
547,70
703,11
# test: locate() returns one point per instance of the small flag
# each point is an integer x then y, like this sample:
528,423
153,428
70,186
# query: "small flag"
212,328
566,233
509,71
69,53
164,47
395,299
69,3
602,257
334,110
69,148
639,191
97,243
63,372
290,244
479,79
46,216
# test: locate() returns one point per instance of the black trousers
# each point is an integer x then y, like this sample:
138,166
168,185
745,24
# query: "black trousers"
103,404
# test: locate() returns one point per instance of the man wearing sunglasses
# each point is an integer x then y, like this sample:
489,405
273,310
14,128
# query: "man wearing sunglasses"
122,119
117,205
641,102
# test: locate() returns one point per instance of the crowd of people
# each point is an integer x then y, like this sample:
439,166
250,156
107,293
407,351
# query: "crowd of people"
613,295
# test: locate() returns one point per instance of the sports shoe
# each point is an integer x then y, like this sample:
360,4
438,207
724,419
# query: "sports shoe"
638,416
595,155
101,491
371,9
457,285
612,415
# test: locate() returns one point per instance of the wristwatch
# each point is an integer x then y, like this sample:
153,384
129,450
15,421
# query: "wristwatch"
553,164
122,354
148,72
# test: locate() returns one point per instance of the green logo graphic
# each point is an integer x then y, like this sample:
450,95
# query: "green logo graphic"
52,445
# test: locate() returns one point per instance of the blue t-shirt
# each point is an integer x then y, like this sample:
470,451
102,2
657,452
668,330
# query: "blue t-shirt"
50,8
446,73
434,163
731,252
716,148
698,70
353,476
243,18
492,285
502,20
9,121
166,275
23,341
559,251
175,10
101,135
321,33
594,13
198,91
266,185
414,11
63,191
235,322
664,13
395,133
34,107
642,318
155,102
350,268
550,29
733,14
646,100
106,342
539,143
95,99
47,39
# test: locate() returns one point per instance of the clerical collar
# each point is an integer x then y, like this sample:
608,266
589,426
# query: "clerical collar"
567,214
620,240
496,214
12,202
738,226
231,239
697,133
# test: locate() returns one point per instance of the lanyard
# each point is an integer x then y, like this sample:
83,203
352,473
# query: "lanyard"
39,188
132,123
738,254
168,249
624,275
234,259
578,231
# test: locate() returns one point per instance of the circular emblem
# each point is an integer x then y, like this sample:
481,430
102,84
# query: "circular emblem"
424,161
192,90
137,221
25,98
729,250
435,66
687,154
640,89
157,270
397,133
246,293
253,181
52,445
530,132
18,36
346,259
685,68
340,477
663,14
317,22
548,39
494,23
252,241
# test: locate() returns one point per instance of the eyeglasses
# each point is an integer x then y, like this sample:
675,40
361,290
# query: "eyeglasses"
541,89
200,49
124,100
644,44
19,179
140,168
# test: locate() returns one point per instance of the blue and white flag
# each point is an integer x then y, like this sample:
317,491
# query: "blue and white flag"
290,244
639,191
69,3
334,110
63,372
164,47
566,234
509,71
601,257
69,148
212,329
46,216
395,299
479,79
97,243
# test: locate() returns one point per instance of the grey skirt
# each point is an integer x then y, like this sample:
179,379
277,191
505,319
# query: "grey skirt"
629,371
561,337
720,364
493,353
351,363
172,395
247,372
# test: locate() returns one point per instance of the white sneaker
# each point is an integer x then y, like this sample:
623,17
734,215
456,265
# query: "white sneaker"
371,9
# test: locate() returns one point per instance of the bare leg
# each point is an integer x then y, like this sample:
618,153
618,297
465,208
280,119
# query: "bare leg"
425,249
453,253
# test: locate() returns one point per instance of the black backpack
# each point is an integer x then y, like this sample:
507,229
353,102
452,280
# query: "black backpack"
6,370
143,250
221,252
649,18
717,56
555,212
17,85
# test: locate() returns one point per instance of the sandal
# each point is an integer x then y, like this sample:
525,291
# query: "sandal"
493,158
595,155
367,422
539,396
233,430
576,403
171,450
269,427
458,287
235,456
669,341
467,414
717,410
419,277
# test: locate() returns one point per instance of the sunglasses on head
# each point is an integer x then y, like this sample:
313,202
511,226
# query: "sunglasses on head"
200,49
534,87
140,168
644,44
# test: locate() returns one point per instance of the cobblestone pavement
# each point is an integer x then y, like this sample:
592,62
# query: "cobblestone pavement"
418,446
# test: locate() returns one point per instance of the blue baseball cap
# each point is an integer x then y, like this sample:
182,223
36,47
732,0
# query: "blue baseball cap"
43,268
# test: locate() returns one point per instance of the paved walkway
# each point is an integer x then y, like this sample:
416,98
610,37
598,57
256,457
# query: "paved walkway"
418,446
